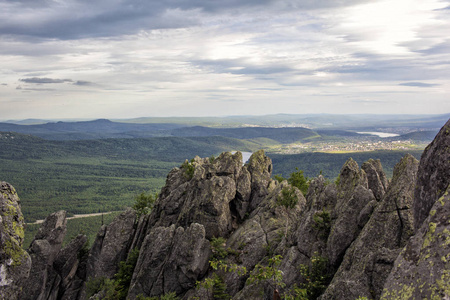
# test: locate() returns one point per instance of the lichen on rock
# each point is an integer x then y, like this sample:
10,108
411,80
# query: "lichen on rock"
15,263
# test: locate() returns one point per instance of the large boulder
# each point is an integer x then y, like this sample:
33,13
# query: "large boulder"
15,263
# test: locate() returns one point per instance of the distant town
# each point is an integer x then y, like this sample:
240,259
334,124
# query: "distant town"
348,146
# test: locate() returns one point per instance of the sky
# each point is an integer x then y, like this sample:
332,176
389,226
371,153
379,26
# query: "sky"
143,58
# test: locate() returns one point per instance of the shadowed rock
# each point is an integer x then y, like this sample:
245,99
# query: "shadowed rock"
43,251
111,246
369,260
434,174
15,263
422,270
171,260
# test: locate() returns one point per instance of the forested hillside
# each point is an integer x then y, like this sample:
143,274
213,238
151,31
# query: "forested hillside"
99,175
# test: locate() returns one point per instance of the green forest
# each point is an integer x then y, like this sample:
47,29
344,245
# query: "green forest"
106,175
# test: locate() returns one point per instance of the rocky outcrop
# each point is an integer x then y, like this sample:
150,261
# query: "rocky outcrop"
201,191
70,269
111,246
360,229
15,263
434,174
370,258
217,193
422,270
352,196
376,178
43,251
171,260
265,233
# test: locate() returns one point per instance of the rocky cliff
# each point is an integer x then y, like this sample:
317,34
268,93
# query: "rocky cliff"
15,263
224,230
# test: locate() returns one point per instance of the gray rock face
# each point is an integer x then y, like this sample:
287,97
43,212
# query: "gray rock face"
422,270
434,174
262,234
376,177
171,260
68,265
313,229
15,263
260,168
217,194
43,251
353,196
369,260
111,246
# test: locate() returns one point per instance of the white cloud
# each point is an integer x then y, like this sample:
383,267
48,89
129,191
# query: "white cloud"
191,59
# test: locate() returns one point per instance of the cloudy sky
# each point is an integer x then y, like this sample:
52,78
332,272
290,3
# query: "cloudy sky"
136,58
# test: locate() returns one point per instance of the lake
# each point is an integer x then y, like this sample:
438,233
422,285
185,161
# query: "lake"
381,134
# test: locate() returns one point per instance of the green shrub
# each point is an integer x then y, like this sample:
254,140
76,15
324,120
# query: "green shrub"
316,276
123,276
169,296
269,274
279,178
298,180
94,285
117,288
288,198
322,222
219,288
218,248
143,203
188,169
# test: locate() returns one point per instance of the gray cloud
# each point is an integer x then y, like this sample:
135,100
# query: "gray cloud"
230,49
83,83
44,80
83,18
418,84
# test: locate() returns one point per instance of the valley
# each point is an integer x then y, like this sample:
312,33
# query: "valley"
62,169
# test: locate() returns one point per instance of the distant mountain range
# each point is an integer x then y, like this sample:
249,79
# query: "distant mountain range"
279,128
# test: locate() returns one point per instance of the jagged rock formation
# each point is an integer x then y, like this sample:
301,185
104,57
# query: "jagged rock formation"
422,270
377,239
370,258
377,180
111,246
172,260
43,251
217,193
15,263
434,174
